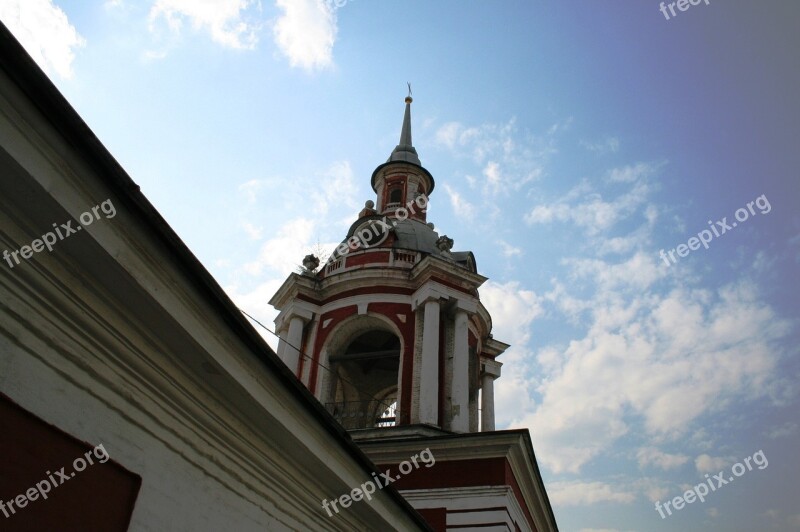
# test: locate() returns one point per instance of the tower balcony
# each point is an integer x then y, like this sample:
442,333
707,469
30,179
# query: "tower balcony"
364,414
373,258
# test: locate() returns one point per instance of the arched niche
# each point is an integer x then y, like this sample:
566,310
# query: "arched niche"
361,388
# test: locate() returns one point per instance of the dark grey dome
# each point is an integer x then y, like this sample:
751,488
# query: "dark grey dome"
417,236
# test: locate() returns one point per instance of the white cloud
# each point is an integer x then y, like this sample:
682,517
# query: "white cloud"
575,493
636,272
253,232
251,189
657,355
772,514
45,32
653,488
509,250
512,309
153,55
619,244
710,464
631,173
603,146
331,190
224,20
455,135
777,521
593,214
304,209
284,252
305,33
511,393
787,429
647,456
461,207
255,303
335,187
508,158
493,178
662,360
327,201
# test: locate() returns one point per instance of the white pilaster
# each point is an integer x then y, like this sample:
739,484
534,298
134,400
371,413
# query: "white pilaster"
429,368
282,345
491,370
294,340
460,384
291,336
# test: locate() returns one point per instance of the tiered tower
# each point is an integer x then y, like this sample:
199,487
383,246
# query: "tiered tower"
391,328
390,335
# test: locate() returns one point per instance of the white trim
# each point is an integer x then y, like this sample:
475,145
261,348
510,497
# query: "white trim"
472,498
364,299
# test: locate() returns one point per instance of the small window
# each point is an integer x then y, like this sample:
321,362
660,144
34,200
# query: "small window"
396,195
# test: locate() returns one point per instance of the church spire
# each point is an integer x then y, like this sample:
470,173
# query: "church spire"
405,152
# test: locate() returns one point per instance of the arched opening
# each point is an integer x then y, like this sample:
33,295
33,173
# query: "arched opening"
364,389
395,196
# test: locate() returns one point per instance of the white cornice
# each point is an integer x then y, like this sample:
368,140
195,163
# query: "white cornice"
491,367
472,498
495,347
514,446
432,265
296,308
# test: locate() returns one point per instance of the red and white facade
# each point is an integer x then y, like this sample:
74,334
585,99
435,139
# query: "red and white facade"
391,336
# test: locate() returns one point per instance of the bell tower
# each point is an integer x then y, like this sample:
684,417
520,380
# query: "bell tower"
391,336
391,328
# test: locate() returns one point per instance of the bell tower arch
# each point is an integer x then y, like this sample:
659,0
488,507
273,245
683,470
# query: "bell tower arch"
363,356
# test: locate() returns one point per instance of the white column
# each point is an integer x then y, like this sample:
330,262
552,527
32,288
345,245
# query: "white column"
491,371
294,341
282,345
460,384
429,368
487,402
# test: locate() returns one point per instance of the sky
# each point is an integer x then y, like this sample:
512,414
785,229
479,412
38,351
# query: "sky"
571,143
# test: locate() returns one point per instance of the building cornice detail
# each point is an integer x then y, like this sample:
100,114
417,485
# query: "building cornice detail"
491,367
513,445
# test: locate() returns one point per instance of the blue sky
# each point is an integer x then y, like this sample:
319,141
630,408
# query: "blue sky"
570,142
